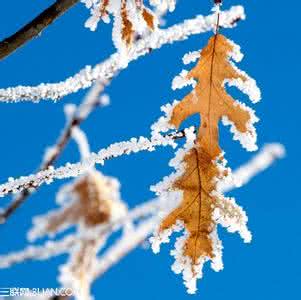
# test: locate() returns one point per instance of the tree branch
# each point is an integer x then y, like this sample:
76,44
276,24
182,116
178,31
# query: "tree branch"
118,61
34,28
52,248
115,150
90,102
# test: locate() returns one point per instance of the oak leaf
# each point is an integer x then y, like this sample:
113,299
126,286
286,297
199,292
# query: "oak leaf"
89,201
129,12
203,164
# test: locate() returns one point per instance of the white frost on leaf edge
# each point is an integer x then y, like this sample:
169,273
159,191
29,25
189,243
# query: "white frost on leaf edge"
177,163
260,162
162,125
249,86
170,199
180,81
182,264
162,237
231,216
191,57
247,139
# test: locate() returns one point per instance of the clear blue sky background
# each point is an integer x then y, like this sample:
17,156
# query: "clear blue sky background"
269,268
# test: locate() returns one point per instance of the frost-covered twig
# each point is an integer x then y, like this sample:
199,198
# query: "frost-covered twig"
43,252
73,170
90,102
77,134
54,248
35,27
123,246
260,162
119,61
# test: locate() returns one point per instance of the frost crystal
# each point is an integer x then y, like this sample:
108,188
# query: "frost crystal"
163,125
181,81
191,57
231,216
249,86
248,140
265,158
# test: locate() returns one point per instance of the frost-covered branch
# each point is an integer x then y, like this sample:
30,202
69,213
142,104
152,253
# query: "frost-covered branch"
54,248
43,252
119,61
35,27
125,245
90,102
73,170
260,162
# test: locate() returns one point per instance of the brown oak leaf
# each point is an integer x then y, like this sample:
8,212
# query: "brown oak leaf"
127,27
92,205
127,31
202,164
90,201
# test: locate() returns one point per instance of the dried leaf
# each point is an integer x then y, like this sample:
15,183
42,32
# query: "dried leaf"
104,8
132,18
149,18
127,31
196,207
94,194
90,201
92,205
203,163
209,97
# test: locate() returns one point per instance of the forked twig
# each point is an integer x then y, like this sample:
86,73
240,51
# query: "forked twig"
89,104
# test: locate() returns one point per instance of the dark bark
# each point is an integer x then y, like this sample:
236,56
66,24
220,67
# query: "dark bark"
35,27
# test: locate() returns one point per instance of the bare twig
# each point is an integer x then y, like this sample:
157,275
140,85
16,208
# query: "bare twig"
34,28
87,106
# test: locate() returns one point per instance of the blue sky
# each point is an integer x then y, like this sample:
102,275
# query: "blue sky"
269,268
